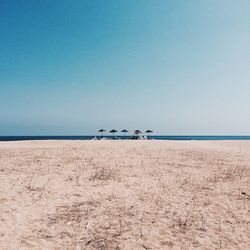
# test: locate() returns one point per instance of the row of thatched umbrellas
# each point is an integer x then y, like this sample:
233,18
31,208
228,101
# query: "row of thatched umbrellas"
124,131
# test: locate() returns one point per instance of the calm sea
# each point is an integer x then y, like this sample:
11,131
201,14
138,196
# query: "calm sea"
156,137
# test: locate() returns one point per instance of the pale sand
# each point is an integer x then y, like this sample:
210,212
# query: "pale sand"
125,195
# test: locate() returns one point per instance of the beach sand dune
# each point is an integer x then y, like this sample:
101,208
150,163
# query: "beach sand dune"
125,195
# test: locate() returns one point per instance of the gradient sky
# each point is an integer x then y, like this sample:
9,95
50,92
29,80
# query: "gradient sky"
70,67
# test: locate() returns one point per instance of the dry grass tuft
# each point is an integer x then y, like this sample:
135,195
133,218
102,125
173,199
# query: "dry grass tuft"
103,174
226,174
189,219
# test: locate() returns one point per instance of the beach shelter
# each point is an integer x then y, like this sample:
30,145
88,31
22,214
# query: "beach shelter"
113,131
148,131
137,132
102,131
137,135
124,131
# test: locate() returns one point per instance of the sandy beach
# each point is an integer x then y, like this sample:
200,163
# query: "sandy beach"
125,195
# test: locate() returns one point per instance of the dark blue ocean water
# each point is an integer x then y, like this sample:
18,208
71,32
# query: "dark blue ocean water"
156,137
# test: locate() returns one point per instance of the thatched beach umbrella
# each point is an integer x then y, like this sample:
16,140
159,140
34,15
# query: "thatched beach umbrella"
102,131
137,132
113,131
124,131
148,132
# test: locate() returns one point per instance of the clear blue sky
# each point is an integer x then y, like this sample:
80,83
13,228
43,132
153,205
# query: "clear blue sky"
70,67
